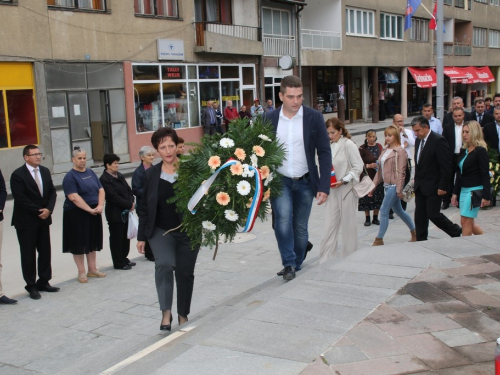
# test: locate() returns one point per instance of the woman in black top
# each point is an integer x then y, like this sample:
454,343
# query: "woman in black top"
472,175
119,202
159,224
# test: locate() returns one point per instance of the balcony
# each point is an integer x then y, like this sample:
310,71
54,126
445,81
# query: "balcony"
279,45
216,37
455,49
321,40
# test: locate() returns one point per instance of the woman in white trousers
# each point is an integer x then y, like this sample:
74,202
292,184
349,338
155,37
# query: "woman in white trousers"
342,204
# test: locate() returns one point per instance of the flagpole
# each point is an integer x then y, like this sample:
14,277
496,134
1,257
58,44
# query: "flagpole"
439,62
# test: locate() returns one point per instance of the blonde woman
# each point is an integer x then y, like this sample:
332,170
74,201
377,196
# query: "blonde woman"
392,172
342,204
472,175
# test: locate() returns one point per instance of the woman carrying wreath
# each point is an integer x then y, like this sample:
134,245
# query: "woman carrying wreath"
159,224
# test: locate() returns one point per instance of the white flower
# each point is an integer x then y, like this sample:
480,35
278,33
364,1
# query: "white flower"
226,142
231,215
264,137
253,159
243,187
247,172
208,225
268,179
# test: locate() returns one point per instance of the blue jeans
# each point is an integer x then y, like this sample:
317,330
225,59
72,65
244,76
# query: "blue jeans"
391,200
291,216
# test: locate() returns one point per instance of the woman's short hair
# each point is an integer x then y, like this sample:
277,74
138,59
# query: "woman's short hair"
159,136
368,132
180,140
146,150
393,130
77,150
335,123
475,135
109,159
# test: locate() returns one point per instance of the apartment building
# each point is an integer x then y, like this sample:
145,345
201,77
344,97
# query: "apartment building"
104,74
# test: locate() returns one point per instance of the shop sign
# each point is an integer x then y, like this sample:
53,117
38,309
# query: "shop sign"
172,72
170,49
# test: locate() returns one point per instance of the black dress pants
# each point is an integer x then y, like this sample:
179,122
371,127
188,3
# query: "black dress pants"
407,179
119,244
429,208
30,242
454,165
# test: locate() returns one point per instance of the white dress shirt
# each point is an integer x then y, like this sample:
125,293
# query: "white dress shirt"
32,171
458,138
409,139
290,133
420,146
435,125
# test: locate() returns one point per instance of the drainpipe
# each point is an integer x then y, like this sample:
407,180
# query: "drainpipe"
300,8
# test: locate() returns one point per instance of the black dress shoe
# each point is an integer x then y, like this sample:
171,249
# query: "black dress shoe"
33,293
281,273
445,206
131,263
375,221
308,248
391,216
126,267
289,273
7,301
151,259
166,327
47,288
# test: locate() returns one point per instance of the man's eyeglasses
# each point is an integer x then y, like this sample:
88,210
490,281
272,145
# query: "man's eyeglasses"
39,154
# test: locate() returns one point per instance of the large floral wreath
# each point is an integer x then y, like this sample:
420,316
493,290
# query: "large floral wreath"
225,183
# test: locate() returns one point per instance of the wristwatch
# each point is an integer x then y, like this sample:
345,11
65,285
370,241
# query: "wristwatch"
344,182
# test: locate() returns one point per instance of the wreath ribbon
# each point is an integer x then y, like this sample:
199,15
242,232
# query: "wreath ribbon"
257,197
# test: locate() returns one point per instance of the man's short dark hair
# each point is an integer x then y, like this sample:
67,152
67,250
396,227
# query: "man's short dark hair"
109,159
427,105
162,133
487,99
28,148
479,101
422,121
497,95
290,81
458,109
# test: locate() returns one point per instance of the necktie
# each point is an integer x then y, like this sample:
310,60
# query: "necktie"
37,181
421,148
480,118
212,118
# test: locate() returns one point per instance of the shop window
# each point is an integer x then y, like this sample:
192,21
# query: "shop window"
65,76
104,75
419,30
391,26
230,91
17,120
145,72
248,75
147,106
175,107
160,8
172,72
495,2
208,72
230,71
57,110
217,11
78,4
360,22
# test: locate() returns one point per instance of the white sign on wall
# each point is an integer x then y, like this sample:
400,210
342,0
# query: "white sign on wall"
170,49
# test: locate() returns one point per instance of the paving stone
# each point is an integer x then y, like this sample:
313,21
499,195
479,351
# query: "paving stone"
457,247
344,354
459,281
9,370
474,297
114,330
484,352
432,352
432,275
479,323
458,337
114,305
492,289
427,292
318,367
374,342
343,341
472,269
399,300
488,240
476,369
142,310
446,264
416,326
353,278
472,260
386,314
495,258
370,269
439,308
88,325
396,365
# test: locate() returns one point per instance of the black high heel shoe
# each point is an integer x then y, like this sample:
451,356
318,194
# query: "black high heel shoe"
166,327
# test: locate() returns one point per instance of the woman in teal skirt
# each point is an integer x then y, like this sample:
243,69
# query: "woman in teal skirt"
472,175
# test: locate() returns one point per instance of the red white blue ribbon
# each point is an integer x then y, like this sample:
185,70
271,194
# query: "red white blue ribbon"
257,197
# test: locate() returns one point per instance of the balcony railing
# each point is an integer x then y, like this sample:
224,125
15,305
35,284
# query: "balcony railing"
279,45
455,49
323,40
236,31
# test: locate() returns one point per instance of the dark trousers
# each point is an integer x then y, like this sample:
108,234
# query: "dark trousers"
210,130
148,253
429,208
407,179
119,244
31,242
449,193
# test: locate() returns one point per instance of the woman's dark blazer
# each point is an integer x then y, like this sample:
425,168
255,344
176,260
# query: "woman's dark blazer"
119,196
3,195
138,184
475,172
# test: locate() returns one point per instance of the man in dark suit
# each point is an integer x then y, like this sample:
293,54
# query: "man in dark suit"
209,119
457,102
302,132
452,132
432,174
34,200
491,131
479,113
3,197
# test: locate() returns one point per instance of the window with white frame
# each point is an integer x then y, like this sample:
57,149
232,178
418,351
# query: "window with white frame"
478,37
481,1
391,26
275,22
419,30
360,22
495,2
79,4
494,39
160,8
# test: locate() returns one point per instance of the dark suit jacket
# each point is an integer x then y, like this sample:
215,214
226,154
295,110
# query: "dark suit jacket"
147,210
119,196
449,135
205,118
487,118
475,172
432,171
138,184
3,195
491,135
448,118
315,141
27,199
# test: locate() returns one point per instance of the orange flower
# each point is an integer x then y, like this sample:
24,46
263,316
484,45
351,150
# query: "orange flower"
240,154
259,151
264,172
223,198
267,194
249,204
214,162
236,169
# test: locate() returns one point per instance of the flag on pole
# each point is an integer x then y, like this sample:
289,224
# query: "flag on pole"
411,8
433,24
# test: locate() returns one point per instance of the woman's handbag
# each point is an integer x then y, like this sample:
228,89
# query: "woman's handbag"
364,186
409,189
132,225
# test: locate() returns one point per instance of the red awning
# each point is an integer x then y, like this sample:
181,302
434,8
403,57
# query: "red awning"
457,75
424,77
482,75
469,75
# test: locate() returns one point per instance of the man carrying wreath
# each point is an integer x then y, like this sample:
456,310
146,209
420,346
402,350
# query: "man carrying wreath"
302,132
